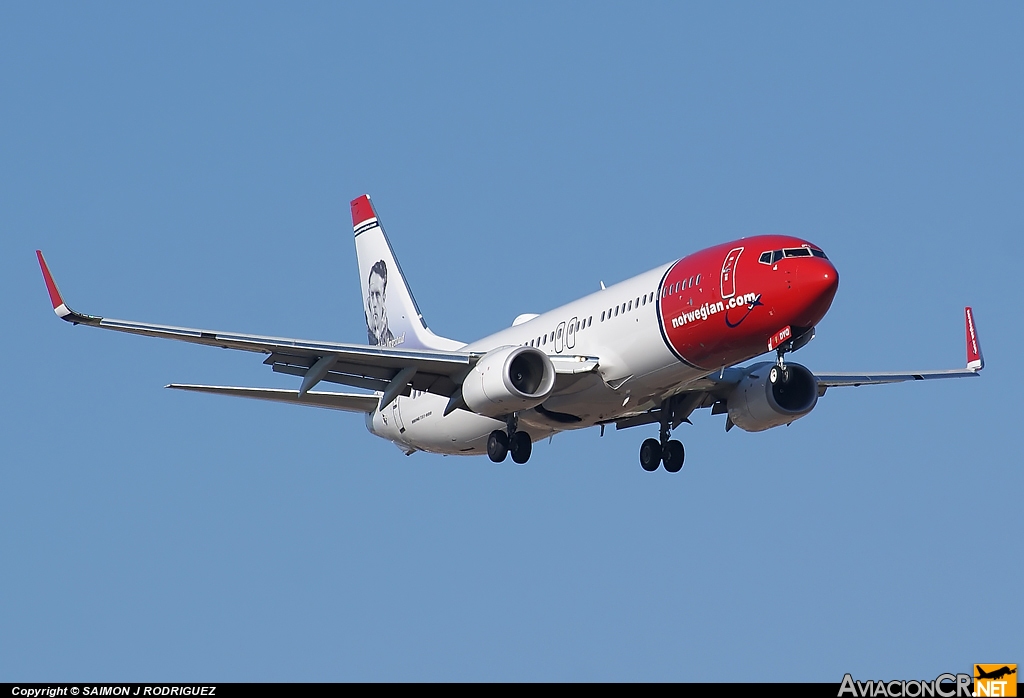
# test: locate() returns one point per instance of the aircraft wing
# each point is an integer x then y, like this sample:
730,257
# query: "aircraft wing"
348,402
975,362
836,380
356,365
718,383
388,370
713,390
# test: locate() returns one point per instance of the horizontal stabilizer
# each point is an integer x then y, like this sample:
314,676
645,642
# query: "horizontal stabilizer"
348,402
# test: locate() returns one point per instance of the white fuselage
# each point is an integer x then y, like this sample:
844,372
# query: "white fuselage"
636,369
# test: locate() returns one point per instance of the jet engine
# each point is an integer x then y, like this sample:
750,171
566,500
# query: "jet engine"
508,380
769,396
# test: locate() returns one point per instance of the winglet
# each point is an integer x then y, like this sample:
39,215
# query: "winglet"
975,361
362,212
59,306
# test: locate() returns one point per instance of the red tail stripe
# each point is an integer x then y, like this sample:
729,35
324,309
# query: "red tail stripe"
362,210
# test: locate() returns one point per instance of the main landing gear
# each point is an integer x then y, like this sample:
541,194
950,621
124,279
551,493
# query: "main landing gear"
654,452
501,443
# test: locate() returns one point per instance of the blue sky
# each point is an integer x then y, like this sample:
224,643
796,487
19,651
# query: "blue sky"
192,164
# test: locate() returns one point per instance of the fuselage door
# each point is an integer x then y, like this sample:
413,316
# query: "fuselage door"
559,338
570,334
729,272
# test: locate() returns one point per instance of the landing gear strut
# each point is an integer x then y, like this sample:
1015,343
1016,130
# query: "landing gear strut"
779,372
654,452
501,443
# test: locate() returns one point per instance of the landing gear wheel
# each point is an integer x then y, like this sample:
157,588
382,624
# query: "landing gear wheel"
672,455
779,373
497,446
650,455
521,447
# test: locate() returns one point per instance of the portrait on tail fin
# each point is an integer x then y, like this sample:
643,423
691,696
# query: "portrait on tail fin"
377,331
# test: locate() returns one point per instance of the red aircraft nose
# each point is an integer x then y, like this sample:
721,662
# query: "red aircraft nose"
823,277
818,282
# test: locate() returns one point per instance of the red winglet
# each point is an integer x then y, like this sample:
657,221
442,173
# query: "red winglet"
362,210
51,287
975,361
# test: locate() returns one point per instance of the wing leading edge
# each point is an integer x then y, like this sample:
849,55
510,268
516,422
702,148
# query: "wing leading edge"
975,363
392,372
355,365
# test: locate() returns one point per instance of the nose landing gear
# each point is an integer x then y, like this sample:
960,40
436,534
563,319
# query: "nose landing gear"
654,452
779,371
501,443
800,337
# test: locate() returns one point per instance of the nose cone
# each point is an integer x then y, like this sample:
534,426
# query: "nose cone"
818,283
824,278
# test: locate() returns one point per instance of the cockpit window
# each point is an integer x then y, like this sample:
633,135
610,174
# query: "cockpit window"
773,256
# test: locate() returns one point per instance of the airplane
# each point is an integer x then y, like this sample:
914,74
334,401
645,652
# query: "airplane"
647,351
996,674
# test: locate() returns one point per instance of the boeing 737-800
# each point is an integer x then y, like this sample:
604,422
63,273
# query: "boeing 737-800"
647,351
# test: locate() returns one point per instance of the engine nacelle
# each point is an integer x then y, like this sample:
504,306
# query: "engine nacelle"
763,400
508,380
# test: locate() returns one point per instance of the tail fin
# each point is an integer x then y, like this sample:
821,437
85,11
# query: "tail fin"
392,317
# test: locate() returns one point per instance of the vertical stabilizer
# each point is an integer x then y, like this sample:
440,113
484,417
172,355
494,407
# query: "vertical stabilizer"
392,317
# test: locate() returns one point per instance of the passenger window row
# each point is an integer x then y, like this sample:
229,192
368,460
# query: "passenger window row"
628,306
772,256
680,286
